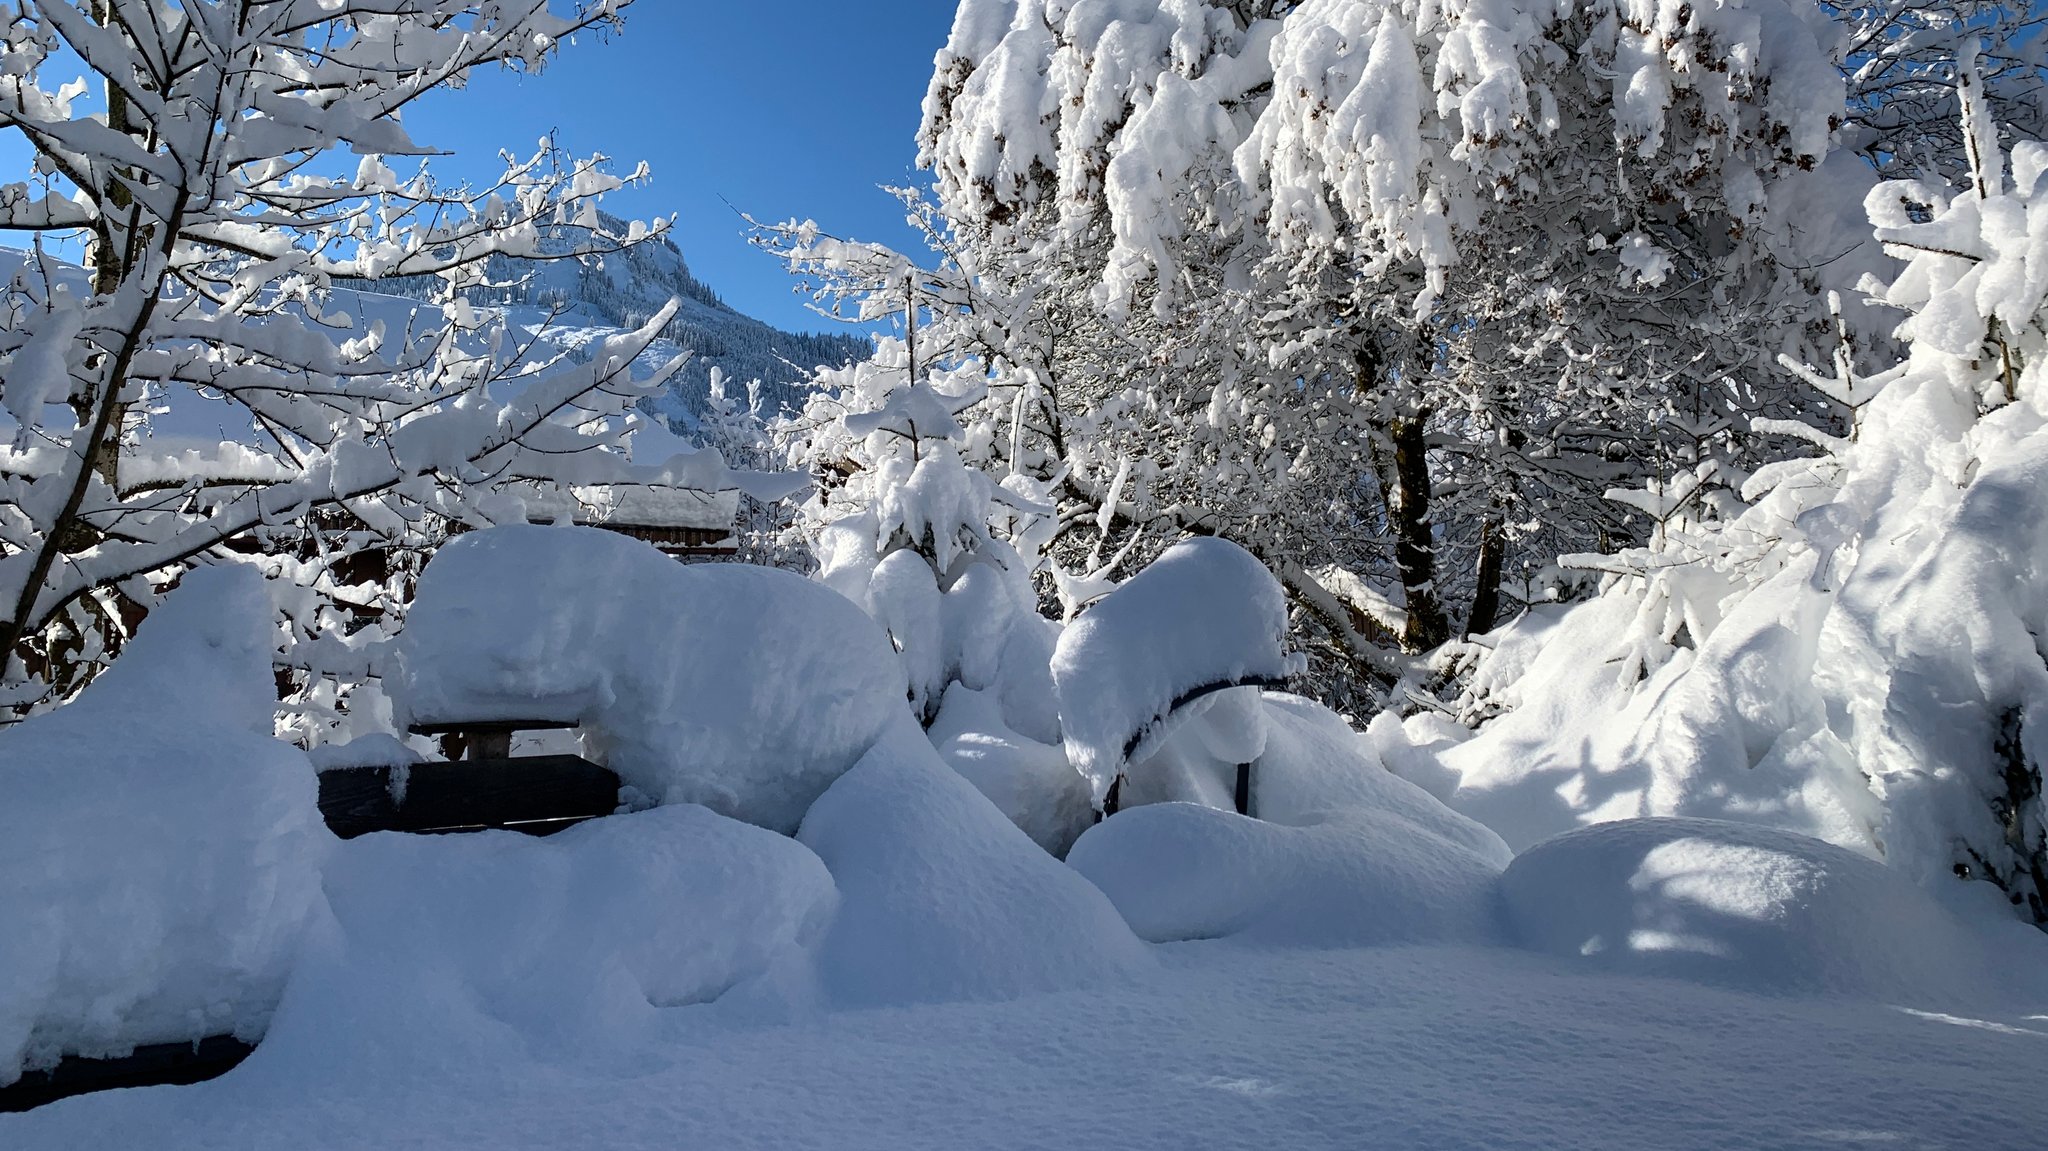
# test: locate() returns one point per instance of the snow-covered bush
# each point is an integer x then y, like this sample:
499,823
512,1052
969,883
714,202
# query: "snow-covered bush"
943,557
745,689
1858,654
159,850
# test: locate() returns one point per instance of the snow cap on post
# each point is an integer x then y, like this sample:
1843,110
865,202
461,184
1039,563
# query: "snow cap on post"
1205,615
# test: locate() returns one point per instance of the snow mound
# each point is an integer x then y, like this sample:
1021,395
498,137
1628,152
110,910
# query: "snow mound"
1342,853
1181,871
1030,782
160,850
942,897
1206,613
1315,764
1734,904
745,689
448,941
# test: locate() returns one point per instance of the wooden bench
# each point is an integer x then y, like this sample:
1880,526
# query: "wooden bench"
538,795
173,1064
480,786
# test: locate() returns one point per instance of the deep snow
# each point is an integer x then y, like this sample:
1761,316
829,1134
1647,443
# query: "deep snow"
159,851
1224,1046
1363,966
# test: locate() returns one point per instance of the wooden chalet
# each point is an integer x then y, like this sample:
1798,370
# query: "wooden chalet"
682,522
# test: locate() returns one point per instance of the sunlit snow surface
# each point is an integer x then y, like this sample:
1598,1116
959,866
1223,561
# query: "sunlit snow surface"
1224,1046
1364,967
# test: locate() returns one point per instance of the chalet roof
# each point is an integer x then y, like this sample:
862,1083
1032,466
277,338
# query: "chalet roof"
633,506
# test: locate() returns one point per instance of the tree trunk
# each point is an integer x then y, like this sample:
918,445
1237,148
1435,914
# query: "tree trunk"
1493,549
1414,538
108,256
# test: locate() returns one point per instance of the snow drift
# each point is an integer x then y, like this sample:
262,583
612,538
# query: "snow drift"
443,943
1342,854
1726,903
161,851
942,897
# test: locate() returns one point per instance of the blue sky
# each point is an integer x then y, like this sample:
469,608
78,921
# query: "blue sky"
781,109
797,108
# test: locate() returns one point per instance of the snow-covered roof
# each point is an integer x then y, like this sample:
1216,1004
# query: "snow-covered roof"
633,506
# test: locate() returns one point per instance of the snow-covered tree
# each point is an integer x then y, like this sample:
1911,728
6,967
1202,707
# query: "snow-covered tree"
1373,287
1899,57
1857,654
226,164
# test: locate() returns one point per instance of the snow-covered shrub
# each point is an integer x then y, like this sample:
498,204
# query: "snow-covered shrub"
942,556
1858,654
745,689
159,850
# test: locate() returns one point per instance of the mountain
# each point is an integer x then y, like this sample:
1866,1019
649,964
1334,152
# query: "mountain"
623,289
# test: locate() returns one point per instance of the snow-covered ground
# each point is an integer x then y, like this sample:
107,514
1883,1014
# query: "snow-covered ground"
837,928
1218,1045
1362,966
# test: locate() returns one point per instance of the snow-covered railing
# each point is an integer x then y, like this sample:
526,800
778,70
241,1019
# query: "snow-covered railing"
1204,618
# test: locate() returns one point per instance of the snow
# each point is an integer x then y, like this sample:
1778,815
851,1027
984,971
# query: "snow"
616,918
161,850
874,906
1029,781
1204,614
1225,1046
1746,906
745,689
1717,732
943,898
1358,965
1180,871
1342,852
1314,764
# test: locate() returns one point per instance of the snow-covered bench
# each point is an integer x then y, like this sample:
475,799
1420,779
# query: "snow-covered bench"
154,1065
